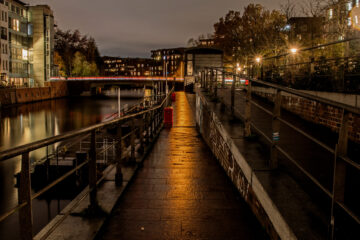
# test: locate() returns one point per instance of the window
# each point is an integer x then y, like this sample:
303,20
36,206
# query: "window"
349,21
330,13
15,25
349,6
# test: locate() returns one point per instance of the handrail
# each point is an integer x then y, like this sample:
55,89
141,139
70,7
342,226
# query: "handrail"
299,93
16,151
340,160
24,205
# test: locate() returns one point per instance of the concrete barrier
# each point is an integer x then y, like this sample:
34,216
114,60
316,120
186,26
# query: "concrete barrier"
240,172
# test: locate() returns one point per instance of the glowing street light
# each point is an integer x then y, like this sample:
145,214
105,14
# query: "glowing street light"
258,59
293,50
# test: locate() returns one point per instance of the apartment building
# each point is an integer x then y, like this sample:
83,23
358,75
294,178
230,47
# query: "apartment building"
27,43
41,20
171,59
116,66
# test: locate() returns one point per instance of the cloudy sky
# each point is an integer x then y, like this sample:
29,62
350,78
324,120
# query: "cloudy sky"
131,28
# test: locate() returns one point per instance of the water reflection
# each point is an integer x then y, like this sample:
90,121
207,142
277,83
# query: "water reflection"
31,122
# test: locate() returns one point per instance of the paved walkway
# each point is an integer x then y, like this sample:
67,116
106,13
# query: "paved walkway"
182,192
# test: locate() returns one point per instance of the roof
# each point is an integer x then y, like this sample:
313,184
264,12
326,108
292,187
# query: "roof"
204,50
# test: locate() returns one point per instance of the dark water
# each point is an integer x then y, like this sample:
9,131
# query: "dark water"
30,122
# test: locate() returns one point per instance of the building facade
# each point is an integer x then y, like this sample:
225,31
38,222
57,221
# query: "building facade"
116,66
27,43
305,31
41,22
171,59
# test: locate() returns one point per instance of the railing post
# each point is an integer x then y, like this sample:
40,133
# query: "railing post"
223,79
118,174
340,167
247,128
216,83
92,173
147,128
211,81
275,130
132,141
141,133
233,95
24,195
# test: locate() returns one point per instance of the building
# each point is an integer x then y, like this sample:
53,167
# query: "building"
207,42
41,21
27,43
4,44
171,59
19,66
198,58
116,66
305,31
342,19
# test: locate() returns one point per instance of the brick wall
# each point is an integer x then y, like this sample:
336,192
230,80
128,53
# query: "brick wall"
26,95
315,112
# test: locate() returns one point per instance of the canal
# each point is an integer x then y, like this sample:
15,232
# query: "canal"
30,122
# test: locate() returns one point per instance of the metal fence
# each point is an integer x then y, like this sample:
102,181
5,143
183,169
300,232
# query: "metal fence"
333,67
210,81
144,126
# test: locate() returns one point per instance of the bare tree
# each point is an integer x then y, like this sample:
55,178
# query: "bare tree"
314,8
288,8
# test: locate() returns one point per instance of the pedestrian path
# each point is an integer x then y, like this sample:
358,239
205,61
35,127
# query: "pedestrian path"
181,192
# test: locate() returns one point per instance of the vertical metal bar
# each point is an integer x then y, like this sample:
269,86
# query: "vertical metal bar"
132,140
147,134
118,174
141,133
233,95
216,83
223,79
211,81
24,195
340,167
275,130
92,172
247,128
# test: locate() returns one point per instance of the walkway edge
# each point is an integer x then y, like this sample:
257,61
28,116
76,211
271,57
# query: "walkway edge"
240,172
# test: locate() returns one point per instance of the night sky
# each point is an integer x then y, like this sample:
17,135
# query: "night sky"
131,28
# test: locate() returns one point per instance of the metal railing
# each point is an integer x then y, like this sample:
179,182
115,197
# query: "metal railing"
210,82
332,66
144,126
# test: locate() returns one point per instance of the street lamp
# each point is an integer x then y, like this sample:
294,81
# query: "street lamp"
293,50
258,59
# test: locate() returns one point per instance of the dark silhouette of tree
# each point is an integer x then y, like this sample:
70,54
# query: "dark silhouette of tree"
67,44
257,31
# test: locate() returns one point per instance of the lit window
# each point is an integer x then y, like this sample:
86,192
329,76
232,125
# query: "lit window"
330,14
349,6
25,54
349,21
356,3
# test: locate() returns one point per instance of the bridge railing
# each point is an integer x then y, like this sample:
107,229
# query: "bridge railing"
341,162
144,126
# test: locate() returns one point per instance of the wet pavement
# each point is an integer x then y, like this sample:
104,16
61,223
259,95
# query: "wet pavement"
182,192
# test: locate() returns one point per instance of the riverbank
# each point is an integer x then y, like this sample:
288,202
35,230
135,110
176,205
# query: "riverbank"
51,90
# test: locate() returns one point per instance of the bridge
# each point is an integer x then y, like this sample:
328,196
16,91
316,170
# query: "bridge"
242,161
77,85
